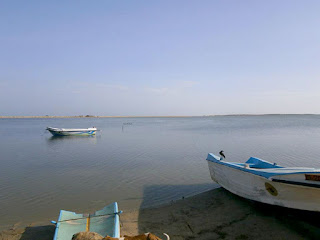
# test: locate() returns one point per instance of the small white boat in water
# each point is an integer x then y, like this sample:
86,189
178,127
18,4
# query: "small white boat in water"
72,131
262,181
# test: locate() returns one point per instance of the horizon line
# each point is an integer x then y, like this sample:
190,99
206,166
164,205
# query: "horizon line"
154,116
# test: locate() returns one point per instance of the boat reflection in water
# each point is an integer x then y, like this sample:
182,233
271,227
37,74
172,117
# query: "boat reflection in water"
90,139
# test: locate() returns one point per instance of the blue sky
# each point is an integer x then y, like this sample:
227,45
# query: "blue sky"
159,57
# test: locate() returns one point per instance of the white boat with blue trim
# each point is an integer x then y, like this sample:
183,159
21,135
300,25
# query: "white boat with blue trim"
72,131
262,181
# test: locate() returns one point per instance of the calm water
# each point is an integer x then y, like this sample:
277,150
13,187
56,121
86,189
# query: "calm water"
150,162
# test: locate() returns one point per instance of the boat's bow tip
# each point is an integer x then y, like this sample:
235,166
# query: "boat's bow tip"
212,157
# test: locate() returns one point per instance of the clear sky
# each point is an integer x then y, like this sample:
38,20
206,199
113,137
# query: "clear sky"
165,57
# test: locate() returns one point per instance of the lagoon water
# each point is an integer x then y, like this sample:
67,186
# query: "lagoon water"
148,162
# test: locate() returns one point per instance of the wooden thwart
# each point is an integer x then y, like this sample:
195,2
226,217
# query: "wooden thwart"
88,224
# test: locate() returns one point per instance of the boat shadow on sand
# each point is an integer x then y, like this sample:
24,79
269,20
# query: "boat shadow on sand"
214,214
37,233
219,214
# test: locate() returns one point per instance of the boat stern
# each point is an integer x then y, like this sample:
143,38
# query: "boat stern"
104,222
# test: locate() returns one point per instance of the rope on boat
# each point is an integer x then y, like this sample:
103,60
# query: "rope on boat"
109,214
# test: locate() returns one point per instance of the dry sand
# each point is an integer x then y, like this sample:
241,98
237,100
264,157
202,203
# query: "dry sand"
216,214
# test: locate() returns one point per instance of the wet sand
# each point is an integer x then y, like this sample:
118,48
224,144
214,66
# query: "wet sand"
216,214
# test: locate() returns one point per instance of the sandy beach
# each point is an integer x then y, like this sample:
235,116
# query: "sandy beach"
216,214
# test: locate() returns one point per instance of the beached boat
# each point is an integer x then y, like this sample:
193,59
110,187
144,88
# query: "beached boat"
72,131
259,180
104,222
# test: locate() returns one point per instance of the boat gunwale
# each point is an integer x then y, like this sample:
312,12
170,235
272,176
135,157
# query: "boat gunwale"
71,129
57,226
116,229
62,131
267,175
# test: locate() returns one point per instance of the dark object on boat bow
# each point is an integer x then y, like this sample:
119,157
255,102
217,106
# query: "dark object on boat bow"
222,154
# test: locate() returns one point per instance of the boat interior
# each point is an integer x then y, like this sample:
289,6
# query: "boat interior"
260,164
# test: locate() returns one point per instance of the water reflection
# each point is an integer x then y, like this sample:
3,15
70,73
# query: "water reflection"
77,139
41,174
126,124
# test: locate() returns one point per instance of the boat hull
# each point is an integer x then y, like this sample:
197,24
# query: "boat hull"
261,189
72,132
76,133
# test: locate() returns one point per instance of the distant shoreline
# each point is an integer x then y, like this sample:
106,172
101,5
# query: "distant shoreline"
94,116
91,116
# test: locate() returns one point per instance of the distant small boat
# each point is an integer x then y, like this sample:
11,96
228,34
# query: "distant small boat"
104,222
72,131
262,181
